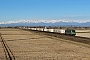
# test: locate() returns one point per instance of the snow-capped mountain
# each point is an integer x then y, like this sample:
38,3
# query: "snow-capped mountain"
46,23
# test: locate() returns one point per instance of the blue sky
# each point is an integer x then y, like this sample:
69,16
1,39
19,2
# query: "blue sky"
44,9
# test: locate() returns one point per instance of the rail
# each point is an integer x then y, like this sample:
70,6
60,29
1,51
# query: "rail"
9,55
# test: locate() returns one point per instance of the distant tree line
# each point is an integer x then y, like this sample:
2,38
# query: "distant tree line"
50,27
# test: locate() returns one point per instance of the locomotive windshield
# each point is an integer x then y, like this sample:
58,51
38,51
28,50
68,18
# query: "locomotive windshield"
73,30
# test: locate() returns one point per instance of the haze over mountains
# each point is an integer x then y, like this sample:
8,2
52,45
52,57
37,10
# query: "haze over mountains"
85,23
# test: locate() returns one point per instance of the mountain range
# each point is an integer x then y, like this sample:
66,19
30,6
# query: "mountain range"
84,23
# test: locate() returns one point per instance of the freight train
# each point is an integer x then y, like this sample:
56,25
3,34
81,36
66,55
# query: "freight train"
61,31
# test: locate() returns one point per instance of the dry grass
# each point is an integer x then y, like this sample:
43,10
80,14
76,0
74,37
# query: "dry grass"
29,46
2,54
83,33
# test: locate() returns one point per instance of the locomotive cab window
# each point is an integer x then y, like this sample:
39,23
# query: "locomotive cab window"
73,30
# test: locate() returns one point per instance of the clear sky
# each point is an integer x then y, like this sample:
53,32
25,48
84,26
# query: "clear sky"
44,9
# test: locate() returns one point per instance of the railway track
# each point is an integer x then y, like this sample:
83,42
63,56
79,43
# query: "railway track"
84,40
8,53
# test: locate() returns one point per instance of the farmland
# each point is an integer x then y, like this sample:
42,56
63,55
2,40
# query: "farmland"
27,45
83,33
